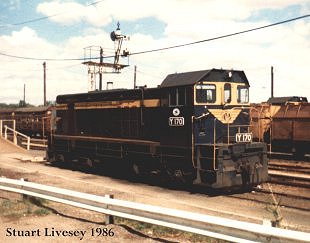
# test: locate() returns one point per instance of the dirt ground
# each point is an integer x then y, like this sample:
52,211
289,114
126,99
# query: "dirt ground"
87,230
63,223
24,221
14,163
47,227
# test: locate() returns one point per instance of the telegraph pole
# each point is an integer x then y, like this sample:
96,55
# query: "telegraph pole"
44,81
271,81
100,73
24,94
135,78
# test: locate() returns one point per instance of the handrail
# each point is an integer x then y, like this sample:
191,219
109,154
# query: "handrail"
214,142
15,133
260,136
6,120
258,120
212,226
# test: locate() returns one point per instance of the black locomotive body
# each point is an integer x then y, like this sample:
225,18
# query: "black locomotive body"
193,128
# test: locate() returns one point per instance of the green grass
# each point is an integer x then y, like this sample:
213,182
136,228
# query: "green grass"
28,206
164,232
41,211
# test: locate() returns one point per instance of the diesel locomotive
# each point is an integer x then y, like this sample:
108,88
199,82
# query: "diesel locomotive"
194,128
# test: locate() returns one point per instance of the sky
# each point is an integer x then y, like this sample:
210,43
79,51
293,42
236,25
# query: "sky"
58,31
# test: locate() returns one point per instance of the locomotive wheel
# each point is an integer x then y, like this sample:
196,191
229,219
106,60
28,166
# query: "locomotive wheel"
89,163
57,160
182,178
136,169
63,160
177,177
60,158
51,158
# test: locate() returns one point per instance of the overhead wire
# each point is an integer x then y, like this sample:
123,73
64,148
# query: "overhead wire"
169,47
48,68
47,17
41,59
221,36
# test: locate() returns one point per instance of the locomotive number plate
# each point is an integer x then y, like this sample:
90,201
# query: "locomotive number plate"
243,137
176,121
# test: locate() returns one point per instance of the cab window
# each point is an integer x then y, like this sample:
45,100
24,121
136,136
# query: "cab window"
243,94
177,97
182,96
205,93
227,93
172,97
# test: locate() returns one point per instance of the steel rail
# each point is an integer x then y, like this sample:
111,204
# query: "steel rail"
212,226
293,175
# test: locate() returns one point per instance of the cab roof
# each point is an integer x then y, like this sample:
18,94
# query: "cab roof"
214,75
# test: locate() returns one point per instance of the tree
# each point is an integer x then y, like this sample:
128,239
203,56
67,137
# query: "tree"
22,103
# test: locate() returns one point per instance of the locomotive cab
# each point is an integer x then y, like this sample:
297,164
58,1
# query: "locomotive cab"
227,103
217,115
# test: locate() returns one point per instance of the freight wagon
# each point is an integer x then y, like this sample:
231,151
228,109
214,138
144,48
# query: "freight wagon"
31,121
283,123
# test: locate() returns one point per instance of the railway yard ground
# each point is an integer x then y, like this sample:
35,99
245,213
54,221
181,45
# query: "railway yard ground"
282,204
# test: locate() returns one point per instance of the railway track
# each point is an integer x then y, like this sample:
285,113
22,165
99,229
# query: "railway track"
289,172
290,192
289,185
275,197
290,178
291,166
265,198
289,157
